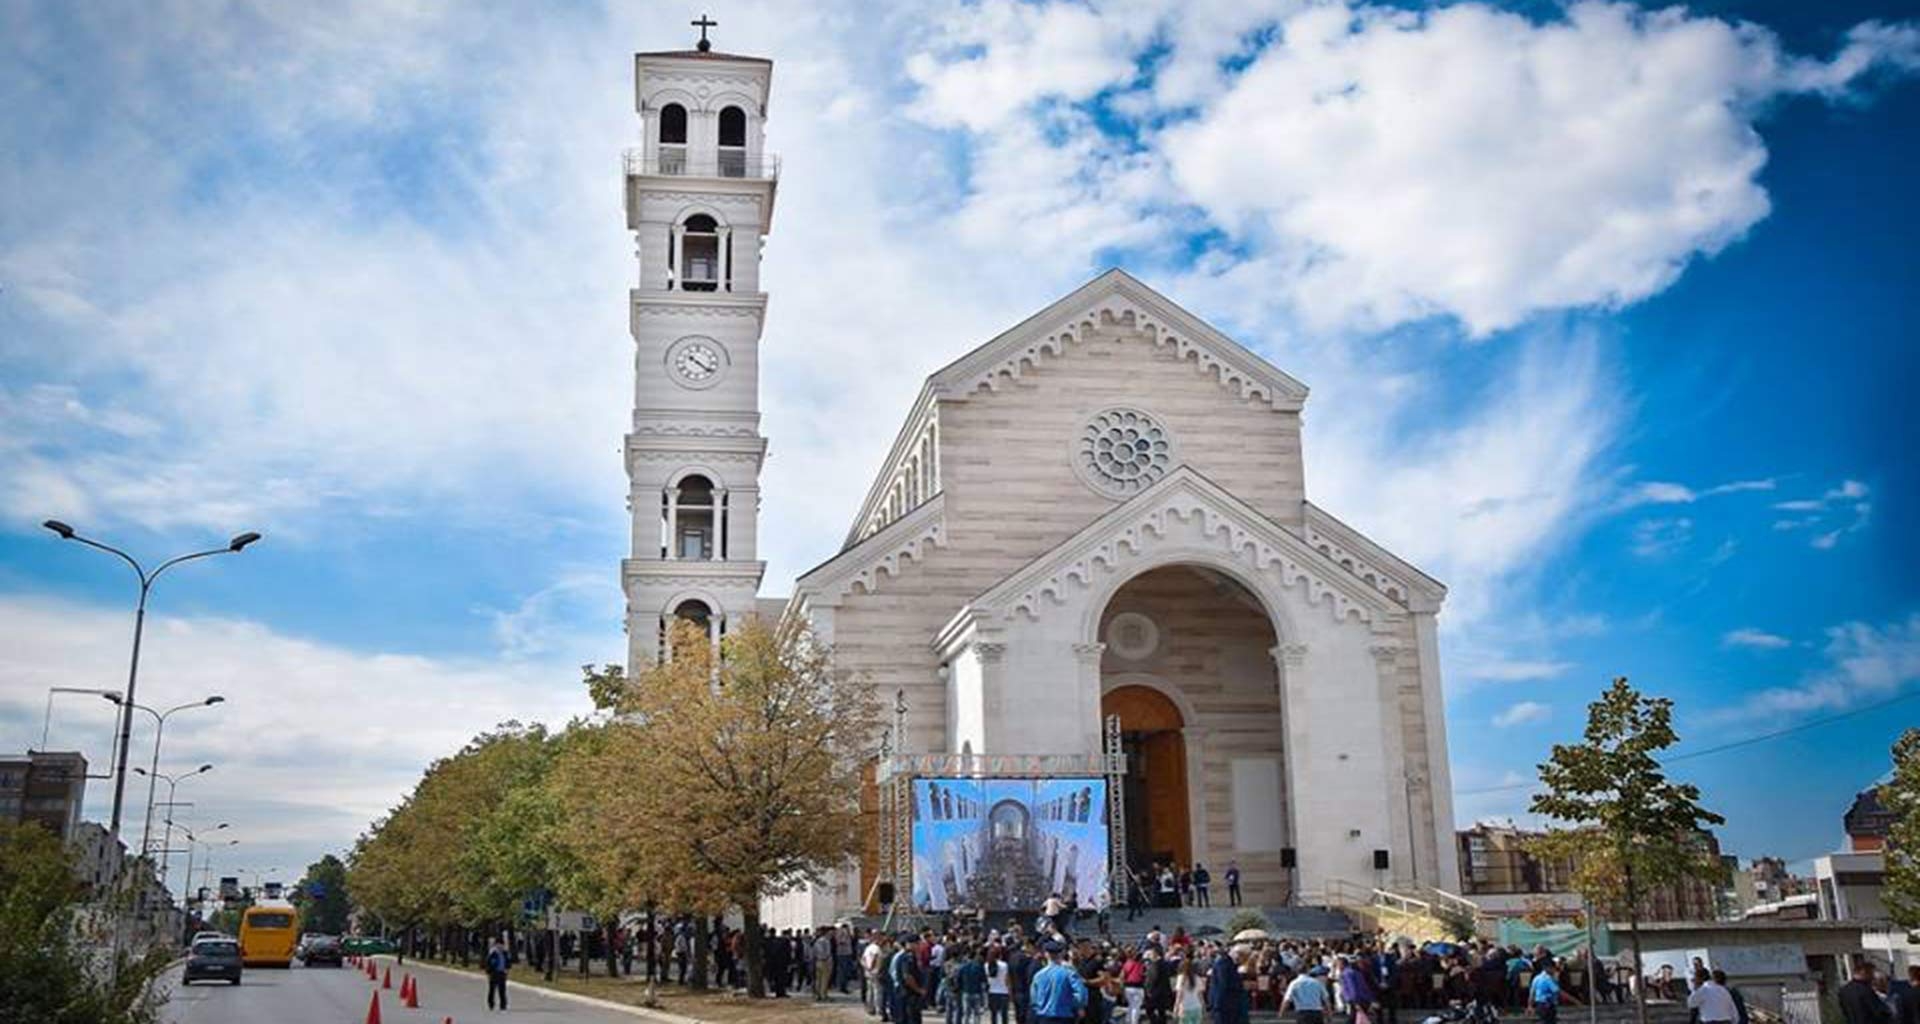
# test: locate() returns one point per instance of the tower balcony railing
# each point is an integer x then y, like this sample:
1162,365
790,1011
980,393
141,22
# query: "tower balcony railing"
677,161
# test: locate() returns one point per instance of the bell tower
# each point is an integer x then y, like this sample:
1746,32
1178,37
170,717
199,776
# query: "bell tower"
699,199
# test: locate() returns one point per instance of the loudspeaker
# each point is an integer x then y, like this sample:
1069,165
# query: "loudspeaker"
885,891
1288,858
1379,860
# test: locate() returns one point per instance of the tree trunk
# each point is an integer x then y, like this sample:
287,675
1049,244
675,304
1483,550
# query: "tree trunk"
750,944
553,952
1633,930
699,976
613,955
653,952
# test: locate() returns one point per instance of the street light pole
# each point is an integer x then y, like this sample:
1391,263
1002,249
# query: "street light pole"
172,781
46,724
186,892
234,546
153,772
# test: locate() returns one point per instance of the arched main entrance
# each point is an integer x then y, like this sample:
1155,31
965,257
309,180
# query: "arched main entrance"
1158,825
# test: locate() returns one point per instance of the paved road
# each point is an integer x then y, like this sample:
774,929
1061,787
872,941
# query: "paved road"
327,996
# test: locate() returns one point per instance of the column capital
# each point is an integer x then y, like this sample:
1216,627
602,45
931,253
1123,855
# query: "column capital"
989,651
1385,655
1290,655
1089,654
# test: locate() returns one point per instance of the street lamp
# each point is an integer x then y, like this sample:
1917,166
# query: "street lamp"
193,841
172,781
46,724
159,727
65,532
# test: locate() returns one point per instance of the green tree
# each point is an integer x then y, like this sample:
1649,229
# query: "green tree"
1627,827
720,782
1901,795
45,977
322,897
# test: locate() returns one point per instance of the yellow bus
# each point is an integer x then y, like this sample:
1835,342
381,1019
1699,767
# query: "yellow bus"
268,932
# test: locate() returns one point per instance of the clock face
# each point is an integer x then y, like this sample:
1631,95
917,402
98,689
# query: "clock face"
696,363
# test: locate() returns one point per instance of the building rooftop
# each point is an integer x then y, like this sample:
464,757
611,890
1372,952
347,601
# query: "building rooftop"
704,55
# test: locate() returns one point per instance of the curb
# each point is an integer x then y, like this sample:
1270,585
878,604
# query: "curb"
659,1016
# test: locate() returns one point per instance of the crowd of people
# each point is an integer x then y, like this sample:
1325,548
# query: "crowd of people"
966,975
965,972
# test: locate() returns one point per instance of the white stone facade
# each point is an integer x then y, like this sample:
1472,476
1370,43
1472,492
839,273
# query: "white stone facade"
1113,455
699,199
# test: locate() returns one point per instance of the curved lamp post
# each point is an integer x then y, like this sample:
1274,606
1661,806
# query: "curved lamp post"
152,772
65,532
172,781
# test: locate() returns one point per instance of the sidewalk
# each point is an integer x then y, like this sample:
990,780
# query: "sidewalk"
619,998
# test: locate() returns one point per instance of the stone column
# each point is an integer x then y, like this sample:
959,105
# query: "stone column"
1289,662
677,260
1402,815
1088,656
673,522
1194,739
722,525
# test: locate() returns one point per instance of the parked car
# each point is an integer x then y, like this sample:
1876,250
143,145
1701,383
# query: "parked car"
366,945
323,950
216,959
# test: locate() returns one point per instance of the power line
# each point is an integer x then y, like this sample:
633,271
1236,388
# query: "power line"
1749,741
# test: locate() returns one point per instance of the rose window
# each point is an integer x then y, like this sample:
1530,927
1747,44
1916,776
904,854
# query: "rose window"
1123,451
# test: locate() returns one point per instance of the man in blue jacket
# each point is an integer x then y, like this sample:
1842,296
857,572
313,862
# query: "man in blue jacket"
1226,996
1058,993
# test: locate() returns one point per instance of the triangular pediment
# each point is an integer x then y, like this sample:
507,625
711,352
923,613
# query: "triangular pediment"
1118,298
1235,532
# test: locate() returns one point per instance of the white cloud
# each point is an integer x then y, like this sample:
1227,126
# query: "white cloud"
1661,492
1526,712
1863,662
1470,162
1659,537
1516,671
1848,498
297,712
1755,639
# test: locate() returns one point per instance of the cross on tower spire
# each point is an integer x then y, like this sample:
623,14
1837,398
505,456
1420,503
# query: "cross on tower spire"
703,25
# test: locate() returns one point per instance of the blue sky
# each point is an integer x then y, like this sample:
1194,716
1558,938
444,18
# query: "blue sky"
1601,307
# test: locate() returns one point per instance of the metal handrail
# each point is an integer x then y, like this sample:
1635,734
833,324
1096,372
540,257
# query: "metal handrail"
687,164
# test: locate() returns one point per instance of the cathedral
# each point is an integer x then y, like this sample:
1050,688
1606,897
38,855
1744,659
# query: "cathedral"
1088,555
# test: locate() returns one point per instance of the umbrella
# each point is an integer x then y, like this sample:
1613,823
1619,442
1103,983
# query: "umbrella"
1251,935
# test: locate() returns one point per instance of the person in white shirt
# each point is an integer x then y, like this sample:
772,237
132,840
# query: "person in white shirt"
872,962
1713,1003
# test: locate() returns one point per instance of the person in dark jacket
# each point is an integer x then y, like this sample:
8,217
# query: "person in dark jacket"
1159,1001
1226,996
777,963
498,960
1859,1003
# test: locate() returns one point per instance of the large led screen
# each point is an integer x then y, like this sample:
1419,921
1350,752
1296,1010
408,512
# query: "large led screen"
1007,844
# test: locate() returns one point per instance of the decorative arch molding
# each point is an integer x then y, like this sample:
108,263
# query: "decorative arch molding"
724,98
1117,300
697,207
886,553
659,98
1187,519
701,594
1189,715
714,477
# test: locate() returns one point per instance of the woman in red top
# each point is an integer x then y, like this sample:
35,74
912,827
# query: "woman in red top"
1133,975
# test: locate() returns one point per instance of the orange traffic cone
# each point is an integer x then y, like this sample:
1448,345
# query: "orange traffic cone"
411,998
373,1010
387,982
